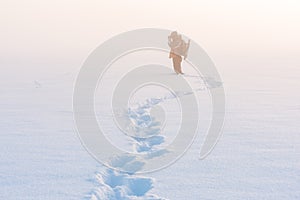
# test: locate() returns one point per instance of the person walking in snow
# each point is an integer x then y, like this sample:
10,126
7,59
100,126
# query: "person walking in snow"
179,48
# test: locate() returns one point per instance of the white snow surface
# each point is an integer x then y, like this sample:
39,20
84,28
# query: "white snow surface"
257,157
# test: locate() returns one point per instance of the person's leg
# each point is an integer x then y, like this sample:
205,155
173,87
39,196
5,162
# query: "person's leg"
175,65
179,65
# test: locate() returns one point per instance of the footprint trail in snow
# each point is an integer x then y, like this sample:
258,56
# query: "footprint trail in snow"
145,134
114,184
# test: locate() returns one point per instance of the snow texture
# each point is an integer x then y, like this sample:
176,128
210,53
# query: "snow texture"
114,184
256,158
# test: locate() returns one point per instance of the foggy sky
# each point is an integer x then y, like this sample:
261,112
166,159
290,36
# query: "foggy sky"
57,35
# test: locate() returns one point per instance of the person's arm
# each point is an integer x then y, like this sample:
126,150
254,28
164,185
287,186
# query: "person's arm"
170,41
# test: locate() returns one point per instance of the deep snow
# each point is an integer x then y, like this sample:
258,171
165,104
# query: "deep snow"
256,158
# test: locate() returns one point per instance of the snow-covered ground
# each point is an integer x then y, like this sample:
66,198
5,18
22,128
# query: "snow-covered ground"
257,157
